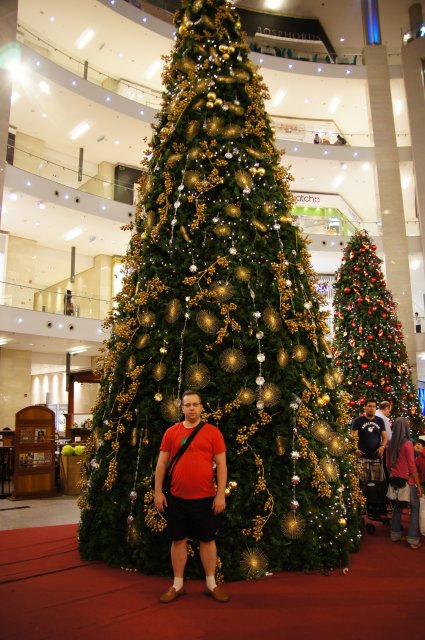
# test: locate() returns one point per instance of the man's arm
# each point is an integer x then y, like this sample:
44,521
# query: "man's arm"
161,467
219,503
384,439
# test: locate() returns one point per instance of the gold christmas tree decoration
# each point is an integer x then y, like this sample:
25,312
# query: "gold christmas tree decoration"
270,394
321,430
243,179
214,126
293,525
282,358
146,318
300,353
280,445
130,364
232,360
329,381
233,210
207,321
191,179
254,563
150,221
159,370
243,273
245,396
336,446
142,341
222,230
222,291
197,376
170,409
272,319
329,468
173,311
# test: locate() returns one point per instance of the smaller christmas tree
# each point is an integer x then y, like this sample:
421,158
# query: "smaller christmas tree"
369,344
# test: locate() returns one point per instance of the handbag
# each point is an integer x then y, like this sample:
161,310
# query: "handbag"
166,483
398,489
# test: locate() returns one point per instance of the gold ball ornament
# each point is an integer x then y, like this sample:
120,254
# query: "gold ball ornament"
261,171
343,522
211,96
158,397
182,30
227,492
210,105
326,398
320,402
225,56
218,102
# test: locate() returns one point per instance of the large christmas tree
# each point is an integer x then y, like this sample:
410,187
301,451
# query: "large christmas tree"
219,296
369,345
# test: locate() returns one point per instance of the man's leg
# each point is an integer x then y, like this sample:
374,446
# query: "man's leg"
179,558
208,553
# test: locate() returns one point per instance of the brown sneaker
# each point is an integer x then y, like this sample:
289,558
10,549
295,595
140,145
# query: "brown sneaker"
217,594
171,595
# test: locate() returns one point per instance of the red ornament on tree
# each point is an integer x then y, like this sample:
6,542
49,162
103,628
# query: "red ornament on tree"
364,366
347,290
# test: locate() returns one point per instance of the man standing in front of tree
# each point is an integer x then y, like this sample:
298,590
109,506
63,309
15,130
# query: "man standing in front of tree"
193,504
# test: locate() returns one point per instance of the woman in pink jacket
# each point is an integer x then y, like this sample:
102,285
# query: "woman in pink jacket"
400,458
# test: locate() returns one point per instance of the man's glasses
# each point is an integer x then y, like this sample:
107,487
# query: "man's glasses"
192,404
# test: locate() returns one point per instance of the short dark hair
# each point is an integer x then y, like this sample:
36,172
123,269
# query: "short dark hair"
385,404
368,400
191,392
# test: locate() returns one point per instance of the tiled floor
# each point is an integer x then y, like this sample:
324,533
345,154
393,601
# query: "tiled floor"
21,514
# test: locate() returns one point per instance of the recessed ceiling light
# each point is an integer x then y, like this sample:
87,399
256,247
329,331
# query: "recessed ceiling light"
43,86
41,205
290,66
73,82
66,196
144,19
348,72
29,183
120,55
20,320
319,70
85,38
73,233
44,115
355,154
52,18
365,166
14,97
79,130
342,39
306,101
117,141
108,98
13,196
103,207
141,112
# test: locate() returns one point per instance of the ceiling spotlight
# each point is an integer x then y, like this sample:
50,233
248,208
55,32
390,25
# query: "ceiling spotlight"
13,196
41,205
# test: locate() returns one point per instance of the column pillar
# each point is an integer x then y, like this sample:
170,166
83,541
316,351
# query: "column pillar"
8,50
390,193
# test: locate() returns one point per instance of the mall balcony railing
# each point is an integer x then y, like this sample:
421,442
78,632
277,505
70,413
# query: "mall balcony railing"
287,128
52,170
44,299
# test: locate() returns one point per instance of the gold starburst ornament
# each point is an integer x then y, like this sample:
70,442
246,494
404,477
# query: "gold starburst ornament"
254,563
173,310
232,360
329,468
272,319
293,525
245,396
197,376
207,321
221,291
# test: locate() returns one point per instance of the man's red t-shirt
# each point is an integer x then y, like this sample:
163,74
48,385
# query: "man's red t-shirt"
193,475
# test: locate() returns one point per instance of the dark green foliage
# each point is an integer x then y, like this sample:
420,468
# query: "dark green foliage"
271,309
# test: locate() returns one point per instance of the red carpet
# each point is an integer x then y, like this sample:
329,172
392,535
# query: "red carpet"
47,592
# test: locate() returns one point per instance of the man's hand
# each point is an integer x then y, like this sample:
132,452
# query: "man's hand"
359,453
160,502
219,504
381,451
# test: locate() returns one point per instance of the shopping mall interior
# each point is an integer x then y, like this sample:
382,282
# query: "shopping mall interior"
81,85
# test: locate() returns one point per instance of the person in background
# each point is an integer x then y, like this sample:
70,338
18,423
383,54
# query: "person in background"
400,458
340,140
316,139
384,412
419,447
418,326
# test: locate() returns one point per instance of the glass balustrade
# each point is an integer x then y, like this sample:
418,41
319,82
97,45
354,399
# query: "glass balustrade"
48,300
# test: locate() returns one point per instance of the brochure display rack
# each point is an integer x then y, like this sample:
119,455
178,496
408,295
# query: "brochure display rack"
34,453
